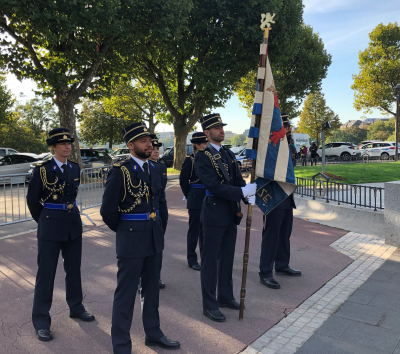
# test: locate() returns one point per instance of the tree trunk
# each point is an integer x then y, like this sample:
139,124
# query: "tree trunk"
180,136
68,120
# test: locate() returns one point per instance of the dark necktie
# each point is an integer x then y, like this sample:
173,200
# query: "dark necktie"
65,171
223,154
146,169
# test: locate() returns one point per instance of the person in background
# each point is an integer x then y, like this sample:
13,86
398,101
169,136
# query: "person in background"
155,154
275,245
303,154
194,192
293,152
313,153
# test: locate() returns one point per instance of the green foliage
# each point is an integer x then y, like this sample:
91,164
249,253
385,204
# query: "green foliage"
353,134
314,114
238,139
100,127
137,101
38,114
6,101
379,71
298,67
382,130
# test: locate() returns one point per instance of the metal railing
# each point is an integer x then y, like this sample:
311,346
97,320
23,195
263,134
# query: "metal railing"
320,187
339,160
13,208
91,188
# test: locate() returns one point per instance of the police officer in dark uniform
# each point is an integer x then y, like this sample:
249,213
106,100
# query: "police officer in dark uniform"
225,188
51,199
275,245
131,208
194,192
155,154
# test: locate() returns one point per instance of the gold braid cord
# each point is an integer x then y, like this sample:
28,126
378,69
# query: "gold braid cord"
214,159
197,180
52,187
143,190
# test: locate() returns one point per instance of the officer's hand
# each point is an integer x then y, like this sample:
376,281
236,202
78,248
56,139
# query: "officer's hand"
249,189
252,200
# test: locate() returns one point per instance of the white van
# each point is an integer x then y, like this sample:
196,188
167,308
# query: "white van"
300,139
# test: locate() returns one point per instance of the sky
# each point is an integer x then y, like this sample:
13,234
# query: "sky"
343,25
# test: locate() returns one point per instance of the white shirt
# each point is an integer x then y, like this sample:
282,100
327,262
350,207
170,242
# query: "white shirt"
59,164
216,147
141,162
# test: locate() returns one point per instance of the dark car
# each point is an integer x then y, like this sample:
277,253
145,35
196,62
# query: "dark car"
168,157
106,150
93,158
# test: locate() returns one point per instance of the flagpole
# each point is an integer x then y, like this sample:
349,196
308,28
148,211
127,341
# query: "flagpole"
263,61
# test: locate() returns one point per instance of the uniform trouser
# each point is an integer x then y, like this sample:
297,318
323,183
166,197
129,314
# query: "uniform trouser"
194,235
129,272
217,263
275,245
48,253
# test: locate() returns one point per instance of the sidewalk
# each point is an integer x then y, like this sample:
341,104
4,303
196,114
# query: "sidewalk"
368,322
180,302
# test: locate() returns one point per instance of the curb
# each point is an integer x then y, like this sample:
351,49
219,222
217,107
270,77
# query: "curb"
172,177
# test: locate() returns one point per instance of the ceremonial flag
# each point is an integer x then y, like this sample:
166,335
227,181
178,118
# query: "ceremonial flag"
274,170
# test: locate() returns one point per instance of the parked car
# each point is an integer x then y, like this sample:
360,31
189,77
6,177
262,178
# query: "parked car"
94,158
106,150
383,149
120,153
7,151
365,142
167,158
343,150
16,164
44,155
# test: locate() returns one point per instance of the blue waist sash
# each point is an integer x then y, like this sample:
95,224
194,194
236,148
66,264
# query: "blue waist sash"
56,206
142,216
194,185
209,193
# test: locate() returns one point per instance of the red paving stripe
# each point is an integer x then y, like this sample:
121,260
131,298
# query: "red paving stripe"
180,302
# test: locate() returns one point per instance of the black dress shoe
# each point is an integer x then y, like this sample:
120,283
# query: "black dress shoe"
270,282
84,316
288,271
215,315
44,334
195,266
163,342
231,304
161,284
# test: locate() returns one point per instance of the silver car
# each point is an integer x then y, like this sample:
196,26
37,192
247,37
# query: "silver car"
16,164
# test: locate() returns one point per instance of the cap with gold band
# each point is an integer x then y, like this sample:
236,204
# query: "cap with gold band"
59,135
285,118
198,138
211,121
135,131
155,142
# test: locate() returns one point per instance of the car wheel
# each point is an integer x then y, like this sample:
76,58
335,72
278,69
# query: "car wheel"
345,156
385,156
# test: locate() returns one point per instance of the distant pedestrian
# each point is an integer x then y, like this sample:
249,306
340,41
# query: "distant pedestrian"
303,154
293,152
313,153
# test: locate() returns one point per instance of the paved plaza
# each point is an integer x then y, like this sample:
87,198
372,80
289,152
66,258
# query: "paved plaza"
334,262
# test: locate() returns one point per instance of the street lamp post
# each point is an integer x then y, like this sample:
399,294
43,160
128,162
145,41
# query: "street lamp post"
397,93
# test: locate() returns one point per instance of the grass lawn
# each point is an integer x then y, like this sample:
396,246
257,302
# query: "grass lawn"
355,172
172,171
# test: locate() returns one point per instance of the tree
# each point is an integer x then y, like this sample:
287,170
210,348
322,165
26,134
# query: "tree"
314,114
38,114
297,72
197,66
68,47
137,100
6,101
237,139
379,71
382,130
353,134
99,126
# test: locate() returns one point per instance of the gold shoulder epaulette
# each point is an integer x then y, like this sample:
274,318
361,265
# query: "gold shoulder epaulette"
202,150
117,165
38,164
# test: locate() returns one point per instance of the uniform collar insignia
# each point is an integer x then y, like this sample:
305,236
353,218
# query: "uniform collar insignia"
70,165
54,167
135,167
152,165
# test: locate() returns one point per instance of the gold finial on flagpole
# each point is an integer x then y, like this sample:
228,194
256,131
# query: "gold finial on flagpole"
266,20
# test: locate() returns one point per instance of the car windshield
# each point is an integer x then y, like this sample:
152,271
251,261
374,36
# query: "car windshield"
237,149
48,157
